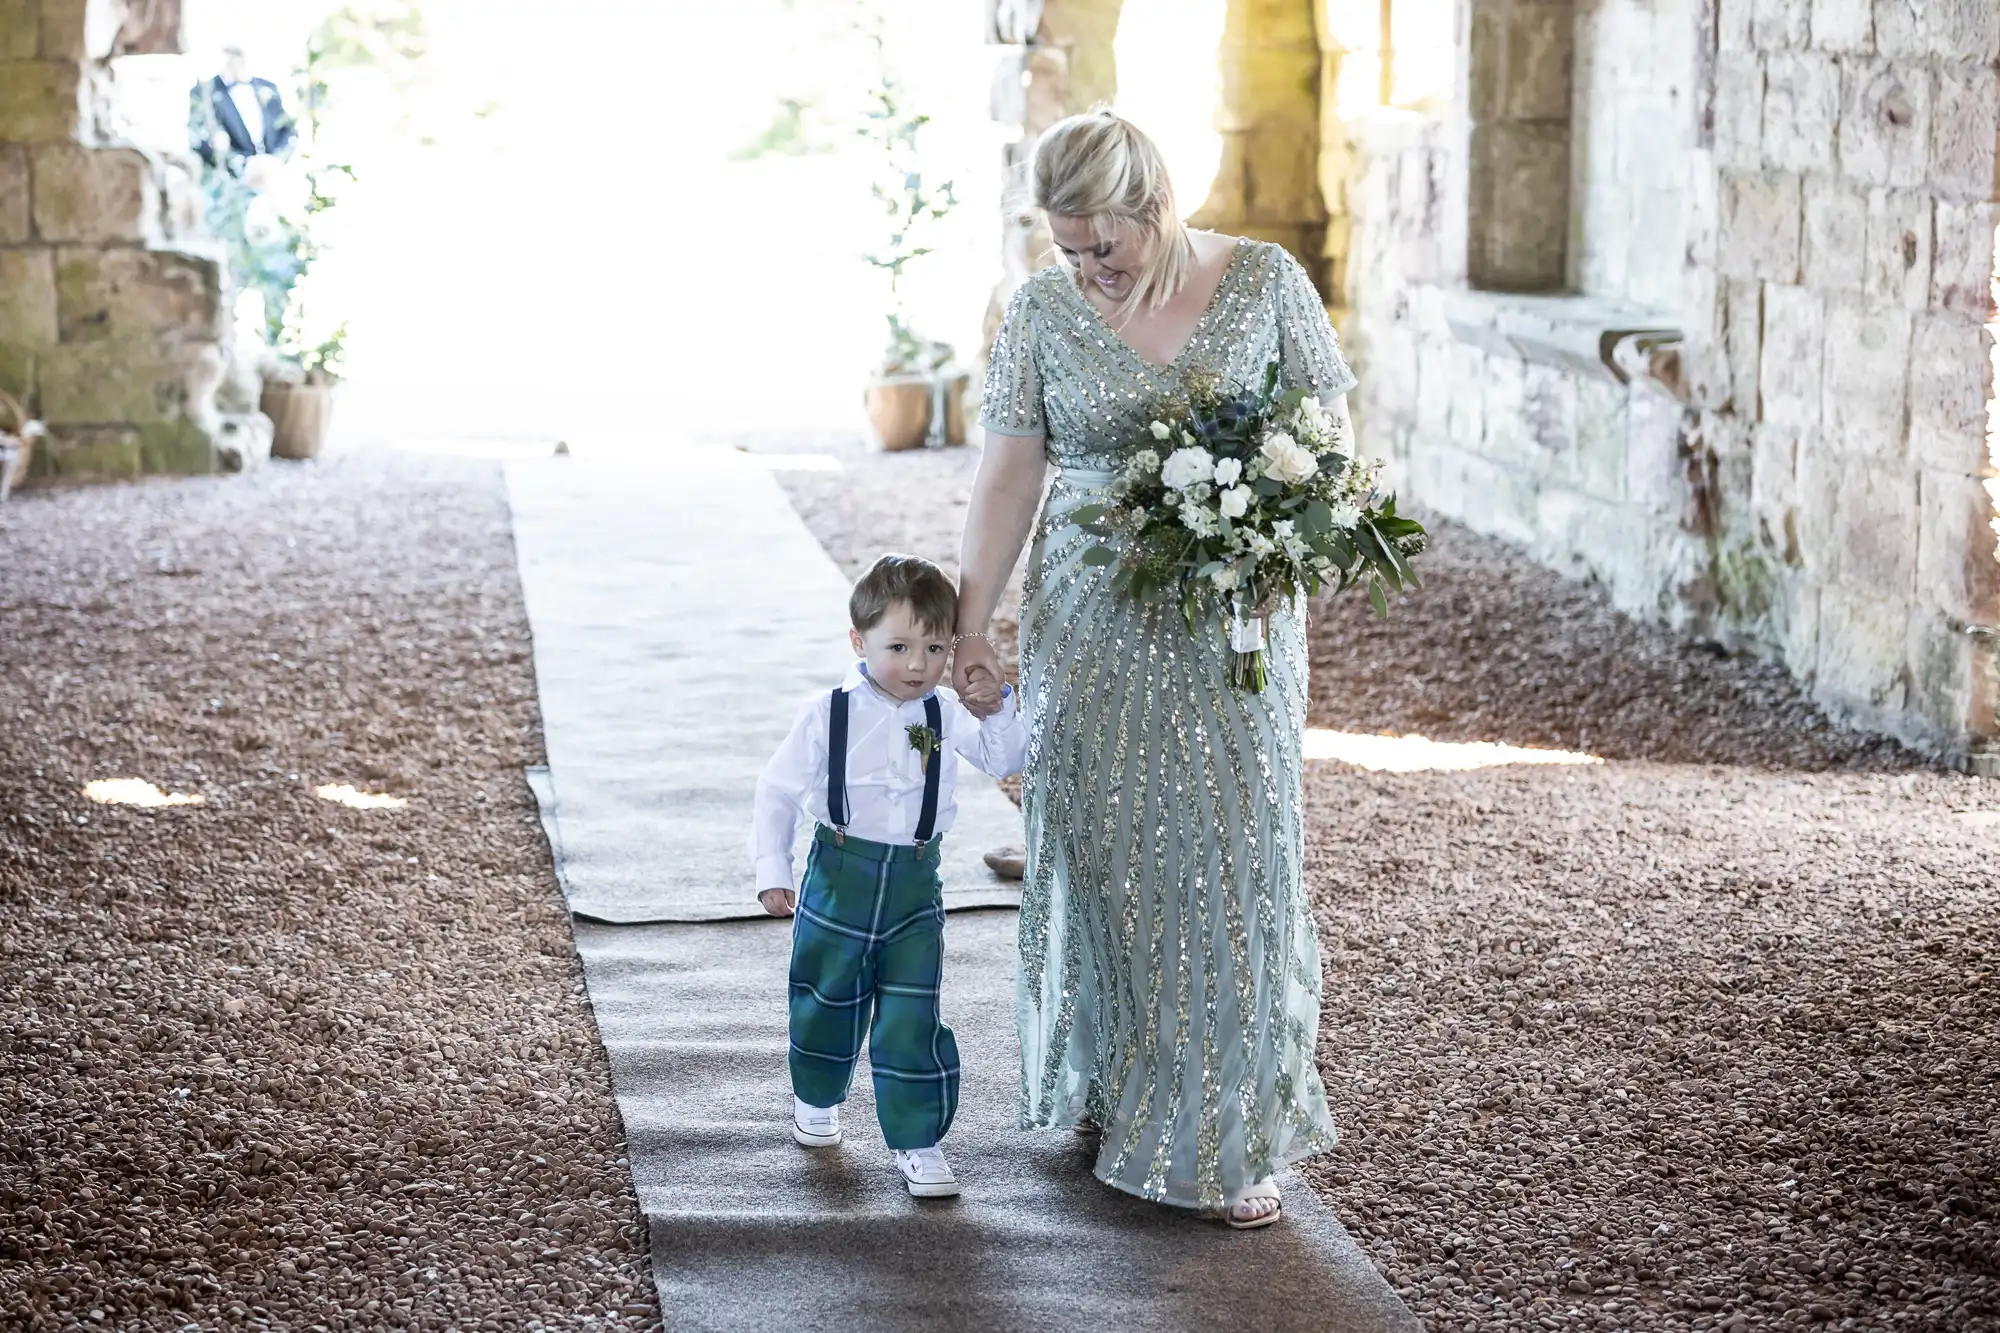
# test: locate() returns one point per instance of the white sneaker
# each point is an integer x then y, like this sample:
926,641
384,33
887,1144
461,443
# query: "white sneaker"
815,1126
927,1173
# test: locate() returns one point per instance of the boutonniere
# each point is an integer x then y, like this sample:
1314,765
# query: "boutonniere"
924,741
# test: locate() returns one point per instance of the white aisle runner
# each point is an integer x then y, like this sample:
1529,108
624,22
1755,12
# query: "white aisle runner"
680,610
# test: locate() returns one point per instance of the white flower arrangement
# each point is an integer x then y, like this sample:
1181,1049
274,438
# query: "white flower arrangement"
1262,500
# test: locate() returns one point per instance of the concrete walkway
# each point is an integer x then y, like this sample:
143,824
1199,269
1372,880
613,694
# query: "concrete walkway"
680,612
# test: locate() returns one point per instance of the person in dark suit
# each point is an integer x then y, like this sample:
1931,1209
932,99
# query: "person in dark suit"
234,119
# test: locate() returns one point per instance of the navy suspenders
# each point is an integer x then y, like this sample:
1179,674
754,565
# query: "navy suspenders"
836,764
933,764
836,767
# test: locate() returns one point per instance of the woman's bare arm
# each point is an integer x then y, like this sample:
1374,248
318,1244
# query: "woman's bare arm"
1004,497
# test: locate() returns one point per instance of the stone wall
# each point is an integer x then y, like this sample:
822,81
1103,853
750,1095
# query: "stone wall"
110,315
1756,410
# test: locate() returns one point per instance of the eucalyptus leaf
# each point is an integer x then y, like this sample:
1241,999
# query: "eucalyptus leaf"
1099,555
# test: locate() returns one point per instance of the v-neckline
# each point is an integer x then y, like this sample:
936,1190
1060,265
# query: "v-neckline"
1236,254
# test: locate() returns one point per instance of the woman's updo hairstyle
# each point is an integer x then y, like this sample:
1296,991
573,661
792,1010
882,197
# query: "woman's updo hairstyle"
1101,167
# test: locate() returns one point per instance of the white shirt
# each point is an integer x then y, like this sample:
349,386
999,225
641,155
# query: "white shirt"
885,776
251,108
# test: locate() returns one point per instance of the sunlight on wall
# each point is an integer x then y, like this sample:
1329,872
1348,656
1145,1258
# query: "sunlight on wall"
134,791
1418,754
1422,37
1169,82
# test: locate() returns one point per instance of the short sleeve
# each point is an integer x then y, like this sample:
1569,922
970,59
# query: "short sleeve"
1013,397
1310,347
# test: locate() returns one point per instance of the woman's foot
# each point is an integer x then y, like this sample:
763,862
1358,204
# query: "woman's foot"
1254,1206
815,1126
926,1173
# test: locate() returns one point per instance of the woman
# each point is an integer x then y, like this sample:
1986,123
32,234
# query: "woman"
1169,987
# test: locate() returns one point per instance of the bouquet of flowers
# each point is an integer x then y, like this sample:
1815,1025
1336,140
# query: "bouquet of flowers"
1238,500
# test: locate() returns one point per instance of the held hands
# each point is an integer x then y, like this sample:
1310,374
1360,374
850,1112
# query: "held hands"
975,674
779,902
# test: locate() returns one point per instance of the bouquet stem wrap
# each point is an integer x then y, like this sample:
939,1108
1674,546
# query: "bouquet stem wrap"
1248,634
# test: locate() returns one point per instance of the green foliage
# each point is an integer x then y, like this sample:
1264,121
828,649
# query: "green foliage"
912,202
389,36
266,258
790,134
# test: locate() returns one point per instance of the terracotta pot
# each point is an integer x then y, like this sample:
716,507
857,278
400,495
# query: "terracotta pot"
300,416
899,409
912,411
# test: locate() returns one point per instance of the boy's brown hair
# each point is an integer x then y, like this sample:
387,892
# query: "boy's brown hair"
904,578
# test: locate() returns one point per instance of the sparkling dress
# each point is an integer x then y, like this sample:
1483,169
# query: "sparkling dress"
1169,986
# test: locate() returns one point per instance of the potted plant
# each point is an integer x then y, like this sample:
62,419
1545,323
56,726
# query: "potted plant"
298,388
916,394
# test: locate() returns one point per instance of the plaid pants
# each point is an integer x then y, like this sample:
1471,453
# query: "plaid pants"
870,935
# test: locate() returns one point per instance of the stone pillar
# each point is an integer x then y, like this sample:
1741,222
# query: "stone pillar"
109,331
1517,107
1268,185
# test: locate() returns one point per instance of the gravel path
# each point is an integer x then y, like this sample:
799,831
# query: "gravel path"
269,1061
1703,1037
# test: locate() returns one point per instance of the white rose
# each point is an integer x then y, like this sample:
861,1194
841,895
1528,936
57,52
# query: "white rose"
1228,471
1286,459
1235,502
1224,578
1162,431
1185,468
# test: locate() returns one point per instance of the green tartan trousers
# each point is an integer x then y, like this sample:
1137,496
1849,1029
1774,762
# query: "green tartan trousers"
869,936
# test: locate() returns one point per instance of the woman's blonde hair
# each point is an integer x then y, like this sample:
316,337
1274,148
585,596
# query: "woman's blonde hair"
1101,167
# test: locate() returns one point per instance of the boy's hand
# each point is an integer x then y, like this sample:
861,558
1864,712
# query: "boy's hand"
981,693
779,902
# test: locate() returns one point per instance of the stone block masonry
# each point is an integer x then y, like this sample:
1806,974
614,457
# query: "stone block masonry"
111,306
1805,192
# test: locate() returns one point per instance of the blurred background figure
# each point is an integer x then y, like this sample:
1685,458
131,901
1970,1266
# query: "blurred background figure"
239,123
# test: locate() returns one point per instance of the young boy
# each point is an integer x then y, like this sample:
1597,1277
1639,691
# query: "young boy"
875,763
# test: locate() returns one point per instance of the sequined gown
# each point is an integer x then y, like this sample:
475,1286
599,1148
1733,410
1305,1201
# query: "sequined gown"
1169,987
